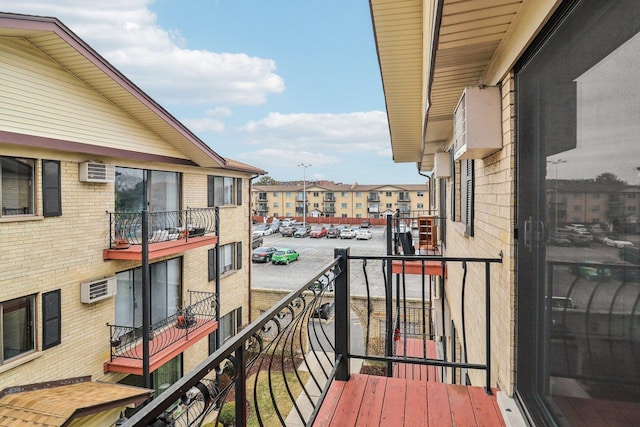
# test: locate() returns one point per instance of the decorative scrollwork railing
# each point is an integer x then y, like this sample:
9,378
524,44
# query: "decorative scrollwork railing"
126,227
266,372
126,341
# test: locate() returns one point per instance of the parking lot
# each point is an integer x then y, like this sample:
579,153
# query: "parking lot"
316,253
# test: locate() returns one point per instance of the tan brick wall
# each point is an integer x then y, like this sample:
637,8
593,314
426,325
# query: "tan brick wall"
43,254
494,222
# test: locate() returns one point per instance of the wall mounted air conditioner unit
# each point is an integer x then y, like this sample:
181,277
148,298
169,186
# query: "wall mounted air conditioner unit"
97,172
442,165
97,290
477,123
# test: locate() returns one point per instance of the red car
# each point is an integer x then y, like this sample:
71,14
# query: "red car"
317,232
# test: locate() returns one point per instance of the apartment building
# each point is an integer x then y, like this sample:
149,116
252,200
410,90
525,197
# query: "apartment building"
523,103
119,230
327,199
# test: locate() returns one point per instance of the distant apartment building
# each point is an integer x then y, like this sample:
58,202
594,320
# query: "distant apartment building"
82,153
326,199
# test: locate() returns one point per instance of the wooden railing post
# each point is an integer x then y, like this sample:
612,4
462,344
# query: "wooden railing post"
343,315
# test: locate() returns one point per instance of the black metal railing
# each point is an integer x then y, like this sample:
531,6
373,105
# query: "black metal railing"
593,323
290,348
287,348
126,341
125,228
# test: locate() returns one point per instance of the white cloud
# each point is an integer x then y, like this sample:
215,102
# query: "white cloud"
204,125
338,133
127,34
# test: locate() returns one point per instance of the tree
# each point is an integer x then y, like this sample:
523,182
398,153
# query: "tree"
266,180
609,178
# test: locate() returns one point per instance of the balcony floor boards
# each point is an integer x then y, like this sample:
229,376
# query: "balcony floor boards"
367,400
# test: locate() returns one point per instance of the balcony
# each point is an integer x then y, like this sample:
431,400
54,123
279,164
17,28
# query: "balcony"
329,197
167,233
167,338
373,197
410,377
404,197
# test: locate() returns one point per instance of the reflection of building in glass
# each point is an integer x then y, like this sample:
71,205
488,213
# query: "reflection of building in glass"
604,201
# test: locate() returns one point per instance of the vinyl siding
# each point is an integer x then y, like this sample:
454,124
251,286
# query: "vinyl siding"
42,99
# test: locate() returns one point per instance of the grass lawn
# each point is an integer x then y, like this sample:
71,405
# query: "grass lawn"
267,410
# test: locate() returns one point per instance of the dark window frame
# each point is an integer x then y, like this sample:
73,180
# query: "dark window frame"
51,188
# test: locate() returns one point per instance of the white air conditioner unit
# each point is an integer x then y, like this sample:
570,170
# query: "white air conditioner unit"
97,290
436,290
97,172
477,123
442,165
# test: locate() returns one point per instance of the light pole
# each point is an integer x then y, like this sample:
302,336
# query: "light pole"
556,163
304,192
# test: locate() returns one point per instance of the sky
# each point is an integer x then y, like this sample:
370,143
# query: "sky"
274,84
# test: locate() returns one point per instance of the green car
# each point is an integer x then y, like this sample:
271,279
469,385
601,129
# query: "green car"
284,256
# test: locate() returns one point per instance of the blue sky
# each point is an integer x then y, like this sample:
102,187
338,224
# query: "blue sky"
270,83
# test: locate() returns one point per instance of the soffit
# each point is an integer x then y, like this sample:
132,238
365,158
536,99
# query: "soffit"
475,45
65,48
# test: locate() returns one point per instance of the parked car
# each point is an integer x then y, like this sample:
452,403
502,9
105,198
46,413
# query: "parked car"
363,234
591,272
365,224
275,225
285,256
325,311
262,230
302,231
262,254
287,230
558,240
630,254
334,232
627,274
617,243
318,231
256,242
347,233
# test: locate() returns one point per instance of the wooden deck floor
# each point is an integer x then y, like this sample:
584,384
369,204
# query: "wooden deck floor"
419,349
367,400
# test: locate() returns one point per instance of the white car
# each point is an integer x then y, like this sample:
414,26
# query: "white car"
347,233
262,230
363,234
617,243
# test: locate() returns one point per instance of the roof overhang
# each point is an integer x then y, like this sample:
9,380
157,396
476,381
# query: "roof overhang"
61,45
429,51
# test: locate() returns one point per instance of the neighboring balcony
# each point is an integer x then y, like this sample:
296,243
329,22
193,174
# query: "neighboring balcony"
262,207
373,197
330,209
168,233
329,197
167,338
373,208
404,197
292,347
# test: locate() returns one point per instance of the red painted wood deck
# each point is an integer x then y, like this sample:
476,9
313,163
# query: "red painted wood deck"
367,400
420,349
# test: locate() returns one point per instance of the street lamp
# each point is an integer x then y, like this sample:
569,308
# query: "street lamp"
304,192
556,163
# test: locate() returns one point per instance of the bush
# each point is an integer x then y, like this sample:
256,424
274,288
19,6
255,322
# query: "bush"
227,415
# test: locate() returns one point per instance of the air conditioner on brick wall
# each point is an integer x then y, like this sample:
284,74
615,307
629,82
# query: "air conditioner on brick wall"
97,172
477,123
97,290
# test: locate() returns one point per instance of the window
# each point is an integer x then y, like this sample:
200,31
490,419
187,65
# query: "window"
16,179
420,194
224,191
230,259
287,205
388,205
51,313
316,205
229,324
316,194
166,293
276,205
138,188
51,188
276,194
344,215
343,205
420,205
161,378
18,323
358,205
576,87
344,194
387,193
288,194
358,194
